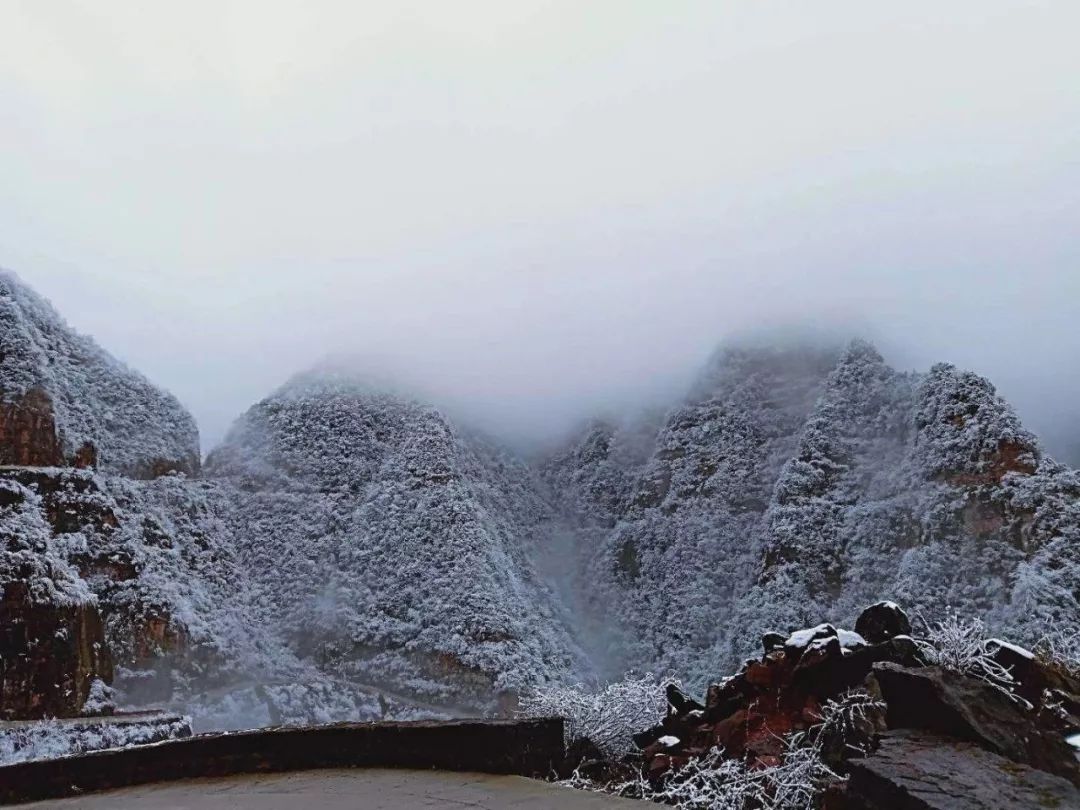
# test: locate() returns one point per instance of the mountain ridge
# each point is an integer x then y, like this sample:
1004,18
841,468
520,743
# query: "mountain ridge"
350,552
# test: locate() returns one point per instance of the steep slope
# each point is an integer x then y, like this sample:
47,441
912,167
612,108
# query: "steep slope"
99,536
797,484
389,547
668,560
65,401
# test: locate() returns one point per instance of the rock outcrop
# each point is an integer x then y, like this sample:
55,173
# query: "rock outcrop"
50,655
96,571
888,730
52,643
919,771
970,709
750,714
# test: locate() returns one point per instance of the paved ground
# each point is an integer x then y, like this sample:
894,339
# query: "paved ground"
366,789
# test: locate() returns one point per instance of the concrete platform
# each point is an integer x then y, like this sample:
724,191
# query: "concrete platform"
362,788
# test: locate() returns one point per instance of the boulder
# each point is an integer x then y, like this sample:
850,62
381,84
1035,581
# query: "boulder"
1034,676
917,771
973,710
680,702
881,622
772,641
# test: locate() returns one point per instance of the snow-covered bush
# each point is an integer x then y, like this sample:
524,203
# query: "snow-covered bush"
50,739
607,716
961,645
713,782
101,699
1061,648
848,723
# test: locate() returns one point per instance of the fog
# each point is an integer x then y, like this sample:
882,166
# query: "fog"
538,210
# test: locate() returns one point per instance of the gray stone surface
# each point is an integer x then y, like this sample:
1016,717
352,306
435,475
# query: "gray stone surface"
919,771
370,789
955,705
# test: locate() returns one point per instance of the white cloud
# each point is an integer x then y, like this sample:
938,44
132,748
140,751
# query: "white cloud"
540,207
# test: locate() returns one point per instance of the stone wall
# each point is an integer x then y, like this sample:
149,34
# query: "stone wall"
527,748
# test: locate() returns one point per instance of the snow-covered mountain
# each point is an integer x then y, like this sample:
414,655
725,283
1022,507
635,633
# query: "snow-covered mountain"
351,553
795,485
389,546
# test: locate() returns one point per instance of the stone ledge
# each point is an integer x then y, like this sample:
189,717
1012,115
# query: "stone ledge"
915,770
525,748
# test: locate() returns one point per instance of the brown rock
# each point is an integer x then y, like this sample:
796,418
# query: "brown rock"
726,731
28,432
759,674
49,656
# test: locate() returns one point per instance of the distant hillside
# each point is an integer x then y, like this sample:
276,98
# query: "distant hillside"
391,547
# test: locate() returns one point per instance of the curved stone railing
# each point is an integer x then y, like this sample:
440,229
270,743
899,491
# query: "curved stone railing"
523,747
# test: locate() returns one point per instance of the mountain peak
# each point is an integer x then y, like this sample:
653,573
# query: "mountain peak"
64,401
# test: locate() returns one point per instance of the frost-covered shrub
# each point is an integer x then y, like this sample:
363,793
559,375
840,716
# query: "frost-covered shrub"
961,645
716,782
100,700
706,782
608,716
848,724
713,782
1061,648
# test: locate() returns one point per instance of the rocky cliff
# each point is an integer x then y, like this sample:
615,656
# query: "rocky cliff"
796,484
102,560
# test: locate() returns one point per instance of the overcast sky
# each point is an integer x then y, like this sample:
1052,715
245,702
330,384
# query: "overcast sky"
539,209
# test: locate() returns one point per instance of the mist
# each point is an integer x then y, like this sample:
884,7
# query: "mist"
535,211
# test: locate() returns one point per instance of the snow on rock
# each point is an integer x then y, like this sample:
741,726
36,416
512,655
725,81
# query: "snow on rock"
802,639
50,739
64,400
850,640
1015,649
52,643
